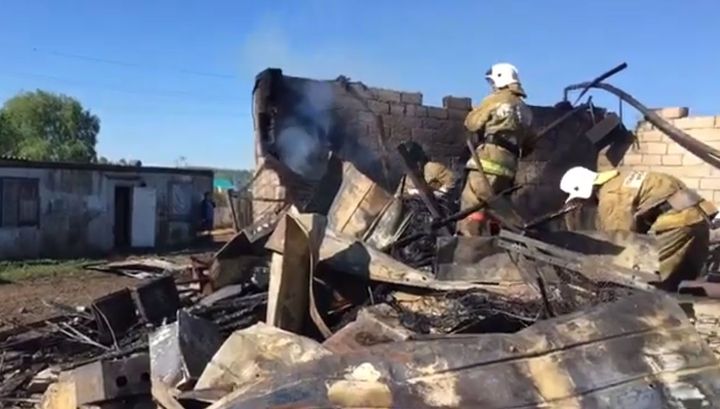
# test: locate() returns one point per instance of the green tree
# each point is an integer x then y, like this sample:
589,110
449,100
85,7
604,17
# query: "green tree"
7,136
45,126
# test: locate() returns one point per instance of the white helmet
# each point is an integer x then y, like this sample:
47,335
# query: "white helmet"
502,74
578,182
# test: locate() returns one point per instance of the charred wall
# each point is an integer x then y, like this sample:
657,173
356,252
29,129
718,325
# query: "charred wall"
364,124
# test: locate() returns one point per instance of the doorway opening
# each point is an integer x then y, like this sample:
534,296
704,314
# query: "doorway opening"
123,216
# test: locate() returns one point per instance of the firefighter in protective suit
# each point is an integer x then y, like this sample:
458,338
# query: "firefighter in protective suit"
650,203
438,177
503,122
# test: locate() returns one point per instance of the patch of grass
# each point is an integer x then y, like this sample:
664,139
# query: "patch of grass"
25,270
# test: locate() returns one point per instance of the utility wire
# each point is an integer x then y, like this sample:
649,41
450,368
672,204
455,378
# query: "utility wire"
161,110
128,64
144,92
136,65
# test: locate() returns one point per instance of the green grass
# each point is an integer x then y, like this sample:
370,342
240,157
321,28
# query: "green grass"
26,270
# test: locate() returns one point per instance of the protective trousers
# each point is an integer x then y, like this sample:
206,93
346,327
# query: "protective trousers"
475,193
683,252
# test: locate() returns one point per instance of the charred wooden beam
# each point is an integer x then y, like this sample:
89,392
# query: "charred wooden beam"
424,190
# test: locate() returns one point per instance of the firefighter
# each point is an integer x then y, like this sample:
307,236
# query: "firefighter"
503,122
650,203
438,177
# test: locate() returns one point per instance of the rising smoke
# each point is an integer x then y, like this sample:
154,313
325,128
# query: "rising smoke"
306,135
302,139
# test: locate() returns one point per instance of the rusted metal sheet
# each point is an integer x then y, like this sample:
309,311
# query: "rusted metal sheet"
639,352
358,203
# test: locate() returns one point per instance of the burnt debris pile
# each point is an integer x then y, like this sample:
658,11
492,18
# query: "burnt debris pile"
349,291
374,304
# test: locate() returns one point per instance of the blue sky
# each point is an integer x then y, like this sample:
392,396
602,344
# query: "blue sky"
172,79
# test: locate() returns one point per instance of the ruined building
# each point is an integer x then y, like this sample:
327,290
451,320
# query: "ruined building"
364,125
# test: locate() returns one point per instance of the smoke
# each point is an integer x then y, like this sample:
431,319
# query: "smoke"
305,148
302,140
270,44
316,103
307,134
302,152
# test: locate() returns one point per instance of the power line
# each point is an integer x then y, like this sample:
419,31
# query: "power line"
135,65
163,111
128,64
145,92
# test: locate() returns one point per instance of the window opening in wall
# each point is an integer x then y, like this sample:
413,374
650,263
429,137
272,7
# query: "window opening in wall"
20,202
180,199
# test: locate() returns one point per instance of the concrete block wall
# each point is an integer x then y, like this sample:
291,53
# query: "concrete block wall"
657,152
357,114
403,116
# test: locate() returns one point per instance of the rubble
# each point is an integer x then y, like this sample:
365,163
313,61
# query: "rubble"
362,329
255,354
180,351
364,298
610,356
144,268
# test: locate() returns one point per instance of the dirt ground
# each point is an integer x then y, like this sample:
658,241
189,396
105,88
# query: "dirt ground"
21,302
22,297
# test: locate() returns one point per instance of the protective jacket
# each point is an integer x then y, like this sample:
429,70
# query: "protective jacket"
504,122
648,201
438,177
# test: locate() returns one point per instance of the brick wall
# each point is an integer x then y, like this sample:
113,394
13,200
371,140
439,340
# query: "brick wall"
358,111
655,151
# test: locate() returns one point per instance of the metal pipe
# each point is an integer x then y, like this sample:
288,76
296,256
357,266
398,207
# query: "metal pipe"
705,152
598,80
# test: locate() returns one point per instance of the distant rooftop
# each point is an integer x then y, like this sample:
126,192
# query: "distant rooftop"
18,162
223,183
